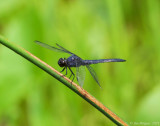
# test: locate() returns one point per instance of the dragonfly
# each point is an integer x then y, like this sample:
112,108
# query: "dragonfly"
79,63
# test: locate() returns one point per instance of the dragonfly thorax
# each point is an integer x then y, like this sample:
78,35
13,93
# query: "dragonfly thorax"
62,62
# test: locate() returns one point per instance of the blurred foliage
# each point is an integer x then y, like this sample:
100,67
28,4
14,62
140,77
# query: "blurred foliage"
93,30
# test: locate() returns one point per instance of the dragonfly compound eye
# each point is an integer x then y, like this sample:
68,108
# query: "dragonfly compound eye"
61,62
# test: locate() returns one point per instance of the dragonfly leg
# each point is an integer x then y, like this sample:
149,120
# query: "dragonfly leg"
63,70
66,71
71,74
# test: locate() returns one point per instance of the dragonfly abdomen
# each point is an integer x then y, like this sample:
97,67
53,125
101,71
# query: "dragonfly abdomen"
87,62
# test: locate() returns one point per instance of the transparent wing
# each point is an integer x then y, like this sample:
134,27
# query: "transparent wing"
60,49
80,74
65,50
93,73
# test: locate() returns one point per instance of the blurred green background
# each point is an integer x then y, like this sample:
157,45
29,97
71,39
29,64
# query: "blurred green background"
92,29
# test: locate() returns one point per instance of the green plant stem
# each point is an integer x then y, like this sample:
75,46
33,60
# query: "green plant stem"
74,87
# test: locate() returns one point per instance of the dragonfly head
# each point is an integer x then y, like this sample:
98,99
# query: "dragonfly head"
62,62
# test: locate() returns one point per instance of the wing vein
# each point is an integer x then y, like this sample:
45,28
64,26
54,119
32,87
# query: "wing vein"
93,73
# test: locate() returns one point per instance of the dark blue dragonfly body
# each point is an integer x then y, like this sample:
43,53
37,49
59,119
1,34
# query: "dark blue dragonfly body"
76,61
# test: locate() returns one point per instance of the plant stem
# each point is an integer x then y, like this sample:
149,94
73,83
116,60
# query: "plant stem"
74,87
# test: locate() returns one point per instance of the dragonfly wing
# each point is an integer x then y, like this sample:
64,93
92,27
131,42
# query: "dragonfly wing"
61,49
65,50
93,73
80,74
